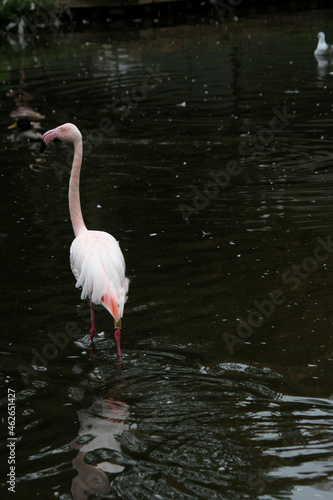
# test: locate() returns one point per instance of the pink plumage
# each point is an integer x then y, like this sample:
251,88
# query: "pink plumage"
95,256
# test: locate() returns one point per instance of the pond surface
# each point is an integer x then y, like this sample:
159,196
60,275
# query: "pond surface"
209,156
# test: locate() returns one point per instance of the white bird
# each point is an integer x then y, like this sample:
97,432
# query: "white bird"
95,256
323,49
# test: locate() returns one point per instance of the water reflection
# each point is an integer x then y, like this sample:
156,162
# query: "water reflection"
23,108
99,451
324,65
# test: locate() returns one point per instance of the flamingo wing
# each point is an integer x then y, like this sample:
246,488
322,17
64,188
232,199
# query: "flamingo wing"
99,269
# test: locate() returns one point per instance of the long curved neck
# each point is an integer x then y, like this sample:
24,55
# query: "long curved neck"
74,190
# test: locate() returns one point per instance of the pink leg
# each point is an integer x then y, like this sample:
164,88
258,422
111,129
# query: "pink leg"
92,330
117,334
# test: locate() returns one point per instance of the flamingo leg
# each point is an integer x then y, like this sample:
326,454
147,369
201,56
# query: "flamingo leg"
117,335
92,330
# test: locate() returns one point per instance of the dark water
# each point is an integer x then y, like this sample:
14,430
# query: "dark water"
209,157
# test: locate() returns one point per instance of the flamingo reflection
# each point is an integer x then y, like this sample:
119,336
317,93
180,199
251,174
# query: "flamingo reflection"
98,447
26,126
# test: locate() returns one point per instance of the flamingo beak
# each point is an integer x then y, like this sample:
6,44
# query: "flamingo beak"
49,136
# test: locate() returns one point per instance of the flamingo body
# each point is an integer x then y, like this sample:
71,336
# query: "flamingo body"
99,269
96,260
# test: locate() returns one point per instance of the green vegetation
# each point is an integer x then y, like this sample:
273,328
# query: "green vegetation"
13,10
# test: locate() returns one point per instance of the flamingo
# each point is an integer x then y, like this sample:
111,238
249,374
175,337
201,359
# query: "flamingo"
96,260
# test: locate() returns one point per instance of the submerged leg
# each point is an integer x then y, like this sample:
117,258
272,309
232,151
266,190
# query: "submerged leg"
117,334
92,330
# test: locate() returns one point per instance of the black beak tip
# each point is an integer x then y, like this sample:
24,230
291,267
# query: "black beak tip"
42,146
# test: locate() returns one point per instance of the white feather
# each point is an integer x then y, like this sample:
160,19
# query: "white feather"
99,268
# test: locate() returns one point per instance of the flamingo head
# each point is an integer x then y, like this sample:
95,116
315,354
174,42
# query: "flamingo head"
66,132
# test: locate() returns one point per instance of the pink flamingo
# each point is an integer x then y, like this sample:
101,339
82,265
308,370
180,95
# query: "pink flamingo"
95,257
